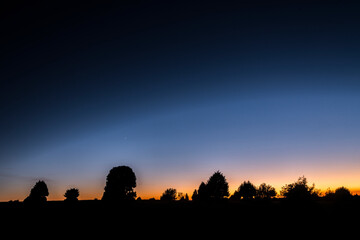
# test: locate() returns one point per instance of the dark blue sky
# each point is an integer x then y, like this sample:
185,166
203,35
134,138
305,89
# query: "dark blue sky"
178,90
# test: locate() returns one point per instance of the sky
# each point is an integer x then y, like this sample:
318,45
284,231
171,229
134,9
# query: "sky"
266,91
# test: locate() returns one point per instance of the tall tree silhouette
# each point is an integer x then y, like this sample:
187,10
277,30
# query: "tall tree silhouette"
120,184
216,188
38,194
195,196
202,193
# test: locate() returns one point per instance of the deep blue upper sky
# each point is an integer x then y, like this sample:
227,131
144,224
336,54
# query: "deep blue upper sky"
178,82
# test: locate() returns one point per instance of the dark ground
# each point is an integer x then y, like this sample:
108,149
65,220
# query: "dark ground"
275,218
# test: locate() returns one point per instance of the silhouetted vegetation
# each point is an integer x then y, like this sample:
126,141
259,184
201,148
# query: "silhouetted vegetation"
342,194
265,191
71,195
183,197
38,194
216,188
195,195
121,181
299,190
169,195
202,194
120,184
210,205
246,190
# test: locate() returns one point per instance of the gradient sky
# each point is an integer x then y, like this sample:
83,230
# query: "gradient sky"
265,91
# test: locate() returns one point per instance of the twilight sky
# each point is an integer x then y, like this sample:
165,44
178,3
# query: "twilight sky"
265,91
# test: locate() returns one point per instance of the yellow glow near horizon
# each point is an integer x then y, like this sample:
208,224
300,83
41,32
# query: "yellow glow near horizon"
323,178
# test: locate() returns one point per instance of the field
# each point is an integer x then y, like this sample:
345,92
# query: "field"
157,218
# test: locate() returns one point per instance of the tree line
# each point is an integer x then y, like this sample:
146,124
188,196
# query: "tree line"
121,184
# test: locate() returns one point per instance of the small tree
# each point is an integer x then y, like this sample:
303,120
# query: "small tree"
195,196
72,195
180,196
342,194
202,192
246,190
169,195
38,194
186,197
120,184
329,194
217,187
299,190
265,191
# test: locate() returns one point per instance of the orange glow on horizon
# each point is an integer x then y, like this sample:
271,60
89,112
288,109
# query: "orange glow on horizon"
323,181
157,194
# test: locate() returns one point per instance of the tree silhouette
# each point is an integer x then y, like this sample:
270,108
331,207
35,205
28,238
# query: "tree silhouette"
342,194
195,196
202,193
216,188
72,195
246,190
38,194
299,190
186,198
120,184
265,191
169,195
329,194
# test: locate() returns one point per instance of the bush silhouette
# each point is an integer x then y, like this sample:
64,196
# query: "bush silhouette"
169,195
120,184
299,190
38,194
246,190
72,195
